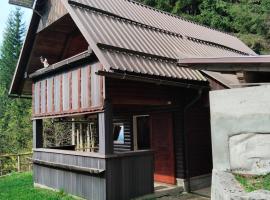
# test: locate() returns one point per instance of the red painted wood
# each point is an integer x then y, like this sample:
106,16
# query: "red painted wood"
53,106
61,93
79,89
70,91
162,144
39,92
89,87
33,99
46,96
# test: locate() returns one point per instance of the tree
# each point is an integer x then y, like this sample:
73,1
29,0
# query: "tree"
248,19
15,114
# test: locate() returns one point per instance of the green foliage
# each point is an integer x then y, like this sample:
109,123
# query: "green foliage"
252,183
20,187
15,114
240,17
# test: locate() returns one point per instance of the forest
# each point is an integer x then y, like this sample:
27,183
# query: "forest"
247,19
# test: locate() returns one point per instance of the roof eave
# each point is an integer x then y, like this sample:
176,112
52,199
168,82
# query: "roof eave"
16,86
229,64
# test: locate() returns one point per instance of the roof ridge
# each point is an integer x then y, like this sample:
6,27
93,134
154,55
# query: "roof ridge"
179,17
126,19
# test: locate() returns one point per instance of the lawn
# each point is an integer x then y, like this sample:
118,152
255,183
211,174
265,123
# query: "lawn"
252,183
19,186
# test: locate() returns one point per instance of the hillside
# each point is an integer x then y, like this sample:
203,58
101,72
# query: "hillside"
247,19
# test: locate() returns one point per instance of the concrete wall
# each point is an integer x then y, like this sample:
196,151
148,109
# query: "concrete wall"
235,112
240,123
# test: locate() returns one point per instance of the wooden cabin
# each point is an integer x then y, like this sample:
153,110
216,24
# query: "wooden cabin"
132,113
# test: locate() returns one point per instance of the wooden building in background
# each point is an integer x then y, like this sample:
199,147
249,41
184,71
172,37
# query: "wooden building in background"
137,115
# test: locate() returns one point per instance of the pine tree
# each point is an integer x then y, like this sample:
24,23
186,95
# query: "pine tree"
15,114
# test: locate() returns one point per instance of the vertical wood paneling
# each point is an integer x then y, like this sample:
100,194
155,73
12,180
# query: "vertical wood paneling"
95,86
74,91
49,95
79,88
84,87
127,176
57,94
36,97
179,144
43,96
66,91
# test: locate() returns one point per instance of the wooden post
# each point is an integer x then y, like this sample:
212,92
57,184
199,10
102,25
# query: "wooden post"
92,139
73,133
88,137
78,140
1,173
81,137
18,163
105,130
37,133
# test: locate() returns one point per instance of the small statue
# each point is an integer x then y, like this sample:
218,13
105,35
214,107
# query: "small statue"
44,61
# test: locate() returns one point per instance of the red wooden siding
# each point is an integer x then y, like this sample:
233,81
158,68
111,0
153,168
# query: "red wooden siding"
74,91
162,144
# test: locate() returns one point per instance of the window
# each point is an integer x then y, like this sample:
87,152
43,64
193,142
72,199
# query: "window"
118,133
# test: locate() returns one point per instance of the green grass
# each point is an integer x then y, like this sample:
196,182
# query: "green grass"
252,183
19,186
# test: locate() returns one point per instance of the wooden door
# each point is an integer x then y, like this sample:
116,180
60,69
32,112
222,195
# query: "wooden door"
162,144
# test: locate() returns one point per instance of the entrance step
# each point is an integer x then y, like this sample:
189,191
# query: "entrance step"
161,190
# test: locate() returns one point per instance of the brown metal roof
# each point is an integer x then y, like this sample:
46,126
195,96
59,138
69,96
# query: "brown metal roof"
129,36
151,66
113,31
136,45
162,21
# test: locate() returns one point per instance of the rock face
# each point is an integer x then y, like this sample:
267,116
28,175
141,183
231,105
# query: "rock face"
250,153
240,123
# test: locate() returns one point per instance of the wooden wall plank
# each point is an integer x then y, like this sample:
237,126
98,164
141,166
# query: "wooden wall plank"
126,175
77,90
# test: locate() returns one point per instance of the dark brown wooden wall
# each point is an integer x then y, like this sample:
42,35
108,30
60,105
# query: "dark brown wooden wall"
179,143
197,124
148,96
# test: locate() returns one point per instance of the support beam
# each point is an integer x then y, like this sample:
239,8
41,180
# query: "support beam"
105,130
37,133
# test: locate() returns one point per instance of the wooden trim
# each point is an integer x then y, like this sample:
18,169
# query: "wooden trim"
69,114
81,57
102,88
68,167
89,86
95,155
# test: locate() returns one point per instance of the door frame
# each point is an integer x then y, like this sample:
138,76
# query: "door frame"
135,131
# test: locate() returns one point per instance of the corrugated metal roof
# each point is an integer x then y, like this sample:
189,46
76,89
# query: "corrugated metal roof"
144,48
148,16
113,31
150,66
